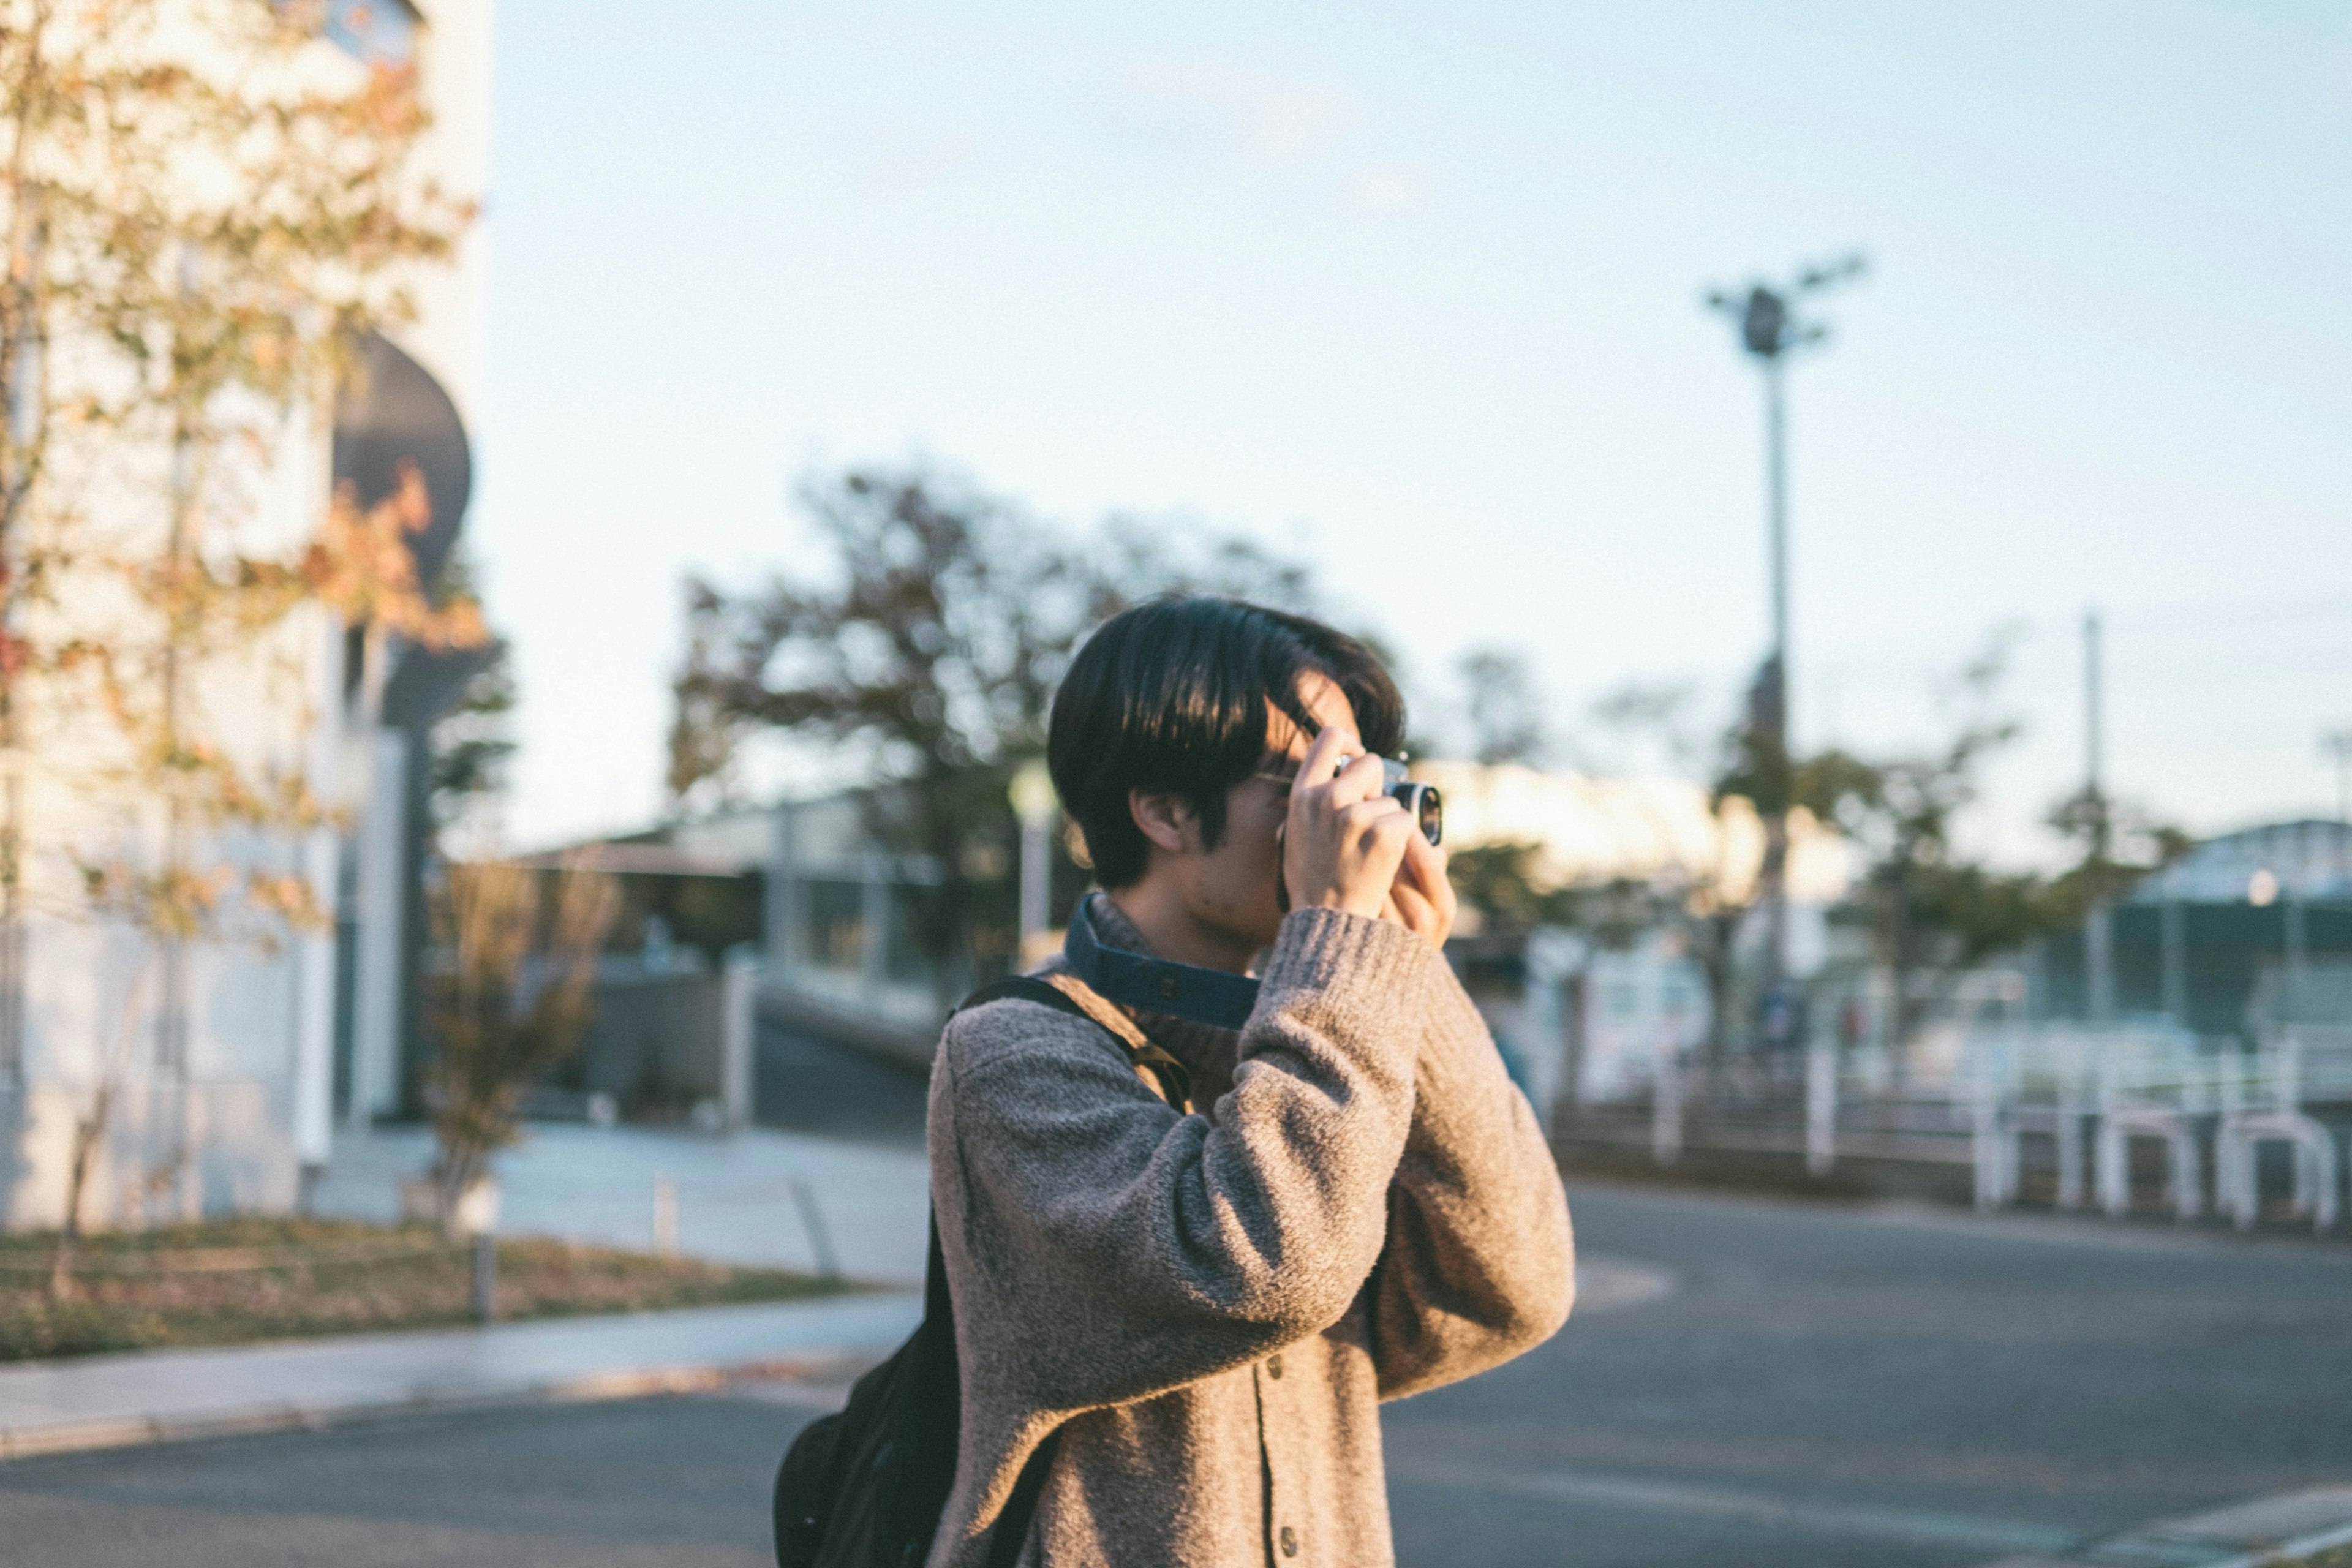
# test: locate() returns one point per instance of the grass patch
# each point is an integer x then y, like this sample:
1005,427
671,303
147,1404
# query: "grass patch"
234,1281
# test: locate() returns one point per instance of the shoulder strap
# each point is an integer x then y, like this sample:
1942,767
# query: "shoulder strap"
1166,1074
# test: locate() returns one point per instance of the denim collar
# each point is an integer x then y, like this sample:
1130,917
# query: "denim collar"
1211,996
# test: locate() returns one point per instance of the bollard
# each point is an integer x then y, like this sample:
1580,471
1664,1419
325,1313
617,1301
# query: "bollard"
665,1216
828,1266
1821,1106
1666,1111
486,1276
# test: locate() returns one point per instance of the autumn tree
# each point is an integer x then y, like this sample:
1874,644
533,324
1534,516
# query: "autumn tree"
514,997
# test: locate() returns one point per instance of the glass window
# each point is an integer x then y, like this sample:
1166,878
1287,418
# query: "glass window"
833,934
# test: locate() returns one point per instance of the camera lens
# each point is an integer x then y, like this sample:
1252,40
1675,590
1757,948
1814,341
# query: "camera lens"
1428,810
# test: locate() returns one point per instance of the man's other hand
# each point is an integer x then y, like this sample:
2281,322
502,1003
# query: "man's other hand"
1422,897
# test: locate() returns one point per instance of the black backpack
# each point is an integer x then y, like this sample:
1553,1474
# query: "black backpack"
864,1488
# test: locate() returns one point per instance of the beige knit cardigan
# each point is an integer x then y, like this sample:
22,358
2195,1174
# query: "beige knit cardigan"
1210,1307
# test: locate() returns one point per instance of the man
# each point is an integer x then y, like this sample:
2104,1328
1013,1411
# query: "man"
1194,1316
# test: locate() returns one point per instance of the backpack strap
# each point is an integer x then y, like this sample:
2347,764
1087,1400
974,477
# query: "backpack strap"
1066,994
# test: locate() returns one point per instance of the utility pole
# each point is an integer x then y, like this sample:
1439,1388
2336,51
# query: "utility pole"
2095,739
2338,744
1769,331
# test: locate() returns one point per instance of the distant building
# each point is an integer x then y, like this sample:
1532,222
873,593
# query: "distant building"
2250,929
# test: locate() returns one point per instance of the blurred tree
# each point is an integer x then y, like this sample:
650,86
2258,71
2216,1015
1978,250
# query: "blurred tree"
515,998
1933,914
1505,709
931,653
473,743
2117,843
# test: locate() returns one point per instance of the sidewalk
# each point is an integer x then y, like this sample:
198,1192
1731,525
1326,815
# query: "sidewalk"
736,1198
96,1402
739,1201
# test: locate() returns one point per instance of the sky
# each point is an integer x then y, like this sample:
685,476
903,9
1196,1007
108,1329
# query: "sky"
1417,291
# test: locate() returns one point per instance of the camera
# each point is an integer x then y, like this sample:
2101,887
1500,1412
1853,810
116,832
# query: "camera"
1427,807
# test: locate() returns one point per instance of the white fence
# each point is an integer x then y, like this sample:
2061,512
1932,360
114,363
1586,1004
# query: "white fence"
2097,1092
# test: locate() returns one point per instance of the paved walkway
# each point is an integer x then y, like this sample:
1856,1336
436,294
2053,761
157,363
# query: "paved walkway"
739,1196
756,1197
91,1402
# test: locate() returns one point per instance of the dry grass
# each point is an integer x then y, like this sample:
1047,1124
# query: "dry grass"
232,1281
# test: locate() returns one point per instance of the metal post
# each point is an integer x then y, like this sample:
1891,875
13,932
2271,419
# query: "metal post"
2297,943
739,977
2176,952
2068,1062
828,1262
1666,1109
486,1276
1776,891
1777,458
1769,328
665,1214
2094,734
1820,1105
1034,803
2099,960
2338,744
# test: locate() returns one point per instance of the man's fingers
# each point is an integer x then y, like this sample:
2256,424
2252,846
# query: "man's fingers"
1358,781
1324,753
1366,817
1424,861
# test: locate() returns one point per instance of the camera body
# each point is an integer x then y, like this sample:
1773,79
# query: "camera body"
1426,805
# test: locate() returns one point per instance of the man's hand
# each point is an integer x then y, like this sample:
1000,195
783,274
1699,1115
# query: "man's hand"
1345,840
1421,899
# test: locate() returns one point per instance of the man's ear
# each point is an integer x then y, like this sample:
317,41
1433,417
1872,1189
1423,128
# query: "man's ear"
1168,821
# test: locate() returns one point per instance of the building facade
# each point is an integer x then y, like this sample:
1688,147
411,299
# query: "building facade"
229,1066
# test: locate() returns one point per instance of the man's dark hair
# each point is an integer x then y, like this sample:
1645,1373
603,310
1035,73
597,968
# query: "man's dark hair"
1172,696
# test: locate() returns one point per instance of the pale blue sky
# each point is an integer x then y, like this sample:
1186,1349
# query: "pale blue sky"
1415,289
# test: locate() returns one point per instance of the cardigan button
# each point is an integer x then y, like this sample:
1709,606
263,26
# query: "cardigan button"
1274,1366
1289,1542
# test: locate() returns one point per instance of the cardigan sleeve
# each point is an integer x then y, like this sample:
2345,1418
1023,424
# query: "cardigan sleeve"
1480,1264
1111,1248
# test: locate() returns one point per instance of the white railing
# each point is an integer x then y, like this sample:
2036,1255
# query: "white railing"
2099,1090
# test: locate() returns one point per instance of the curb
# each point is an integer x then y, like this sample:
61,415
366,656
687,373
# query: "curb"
73,1437
458,1383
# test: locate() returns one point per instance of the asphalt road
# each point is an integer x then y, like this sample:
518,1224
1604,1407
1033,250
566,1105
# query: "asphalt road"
1823,1387
1832,1386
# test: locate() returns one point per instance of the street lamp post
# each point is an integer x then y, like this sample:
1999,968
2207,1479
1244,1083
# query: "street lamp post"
1769,331
1034,803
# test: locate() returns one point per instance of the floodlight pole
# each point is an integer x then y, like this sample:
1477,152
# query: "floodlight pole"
1769,328
1776,439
